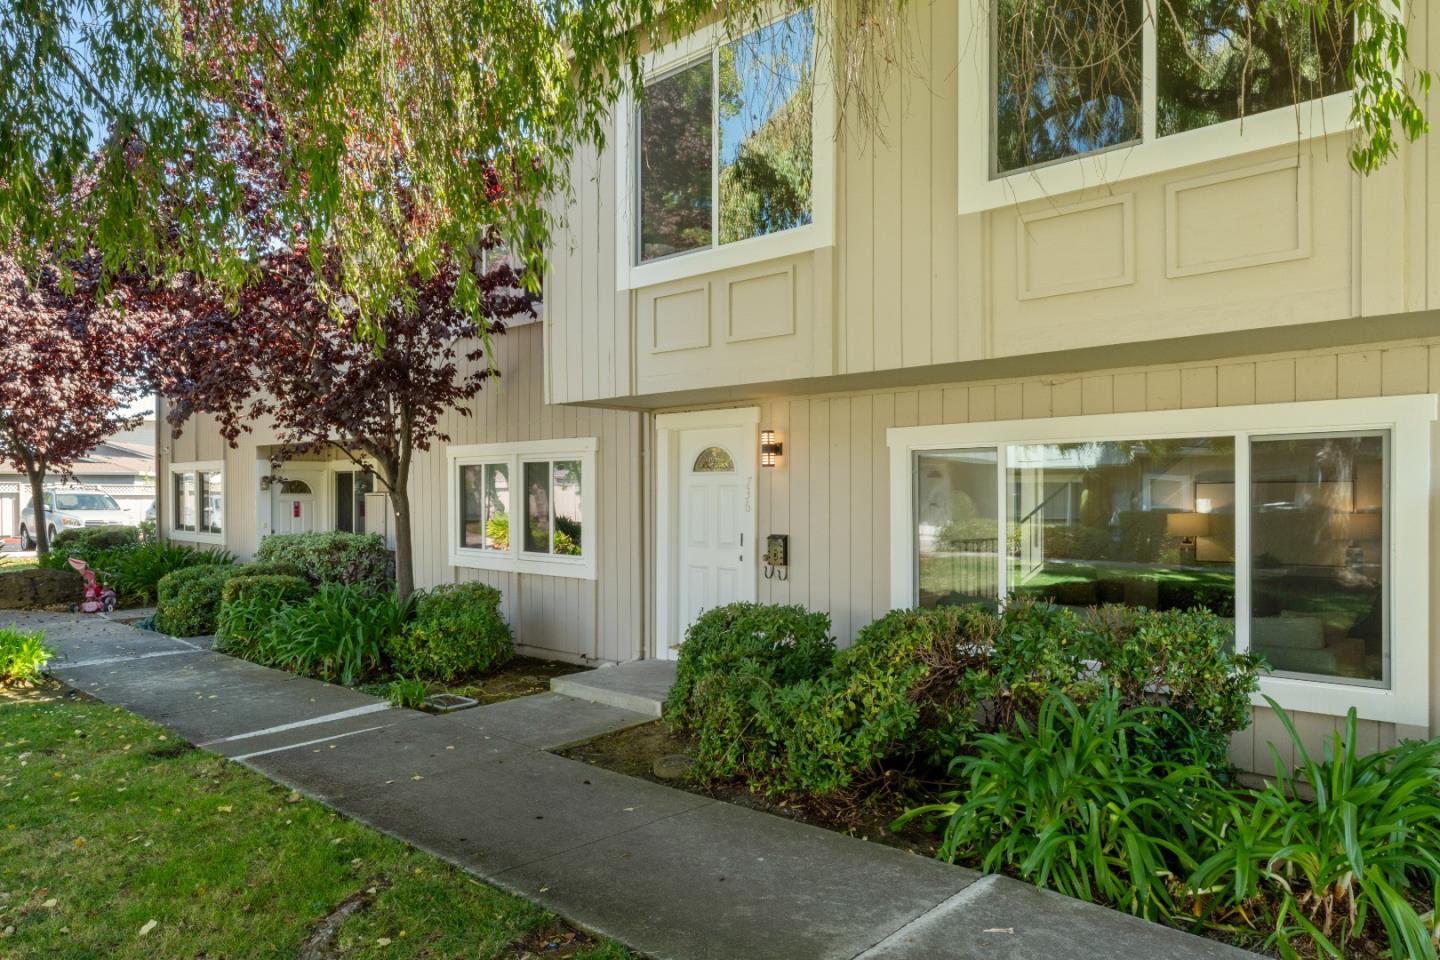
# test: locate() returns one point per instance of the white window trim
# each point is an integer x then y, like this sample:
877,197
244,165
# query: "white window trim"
1410,420
820,232
514,559
1153,154
197,536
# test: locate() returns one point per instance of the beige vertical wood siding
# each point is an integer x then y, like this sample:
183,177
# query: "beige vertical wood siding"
598,619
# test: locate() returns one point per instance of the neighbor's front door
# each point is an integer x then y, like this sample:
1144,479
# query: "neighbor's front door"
717,521
292,507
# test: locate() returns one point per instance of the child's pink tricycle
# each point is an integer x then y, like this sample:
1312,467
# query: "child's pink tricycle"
98,597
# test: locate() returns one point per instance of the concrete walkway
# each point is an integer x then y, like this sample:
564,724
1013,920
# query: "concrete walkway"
672,874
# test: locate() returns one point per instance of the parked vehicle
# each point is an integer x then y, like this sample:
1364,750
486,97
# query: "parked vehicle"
67,509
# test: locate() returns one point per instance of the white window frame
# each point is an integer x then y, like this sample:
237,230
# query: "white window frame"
515,558
1410,420
197,467
630,273
979,191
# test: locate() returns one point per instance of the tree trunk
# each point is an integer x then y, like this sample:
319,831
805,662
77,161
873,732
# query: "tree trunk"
404,556
41,532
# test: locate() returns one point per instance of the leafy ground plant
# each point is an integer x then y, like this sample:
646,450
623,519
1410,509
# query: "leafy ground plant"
338,634
406,693
22,656
133,846
1077,802
1343,849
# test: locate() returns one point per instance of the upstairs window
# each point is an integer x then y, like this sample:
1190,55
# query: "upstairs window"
725,144
1160,84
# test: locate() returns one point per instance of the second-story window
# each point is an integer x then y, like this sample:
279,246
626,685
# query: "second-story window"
725,145
1077,77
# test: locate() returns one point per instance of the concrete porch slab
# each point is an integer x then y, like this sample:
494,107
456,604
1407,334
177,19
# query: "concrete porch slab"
638,685
546,721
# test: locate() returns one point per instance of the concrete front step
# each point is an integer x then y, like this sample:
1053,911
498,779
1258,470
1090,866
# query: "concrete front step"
638,685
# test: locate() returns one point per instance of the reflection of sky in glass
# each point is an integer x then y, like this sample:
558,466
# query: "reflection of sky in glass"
770,64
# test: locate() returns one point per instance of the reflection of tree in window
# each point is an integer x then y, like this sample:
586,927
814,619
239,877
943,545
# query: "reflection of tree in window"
537,507
766,156
567,508
675,162
1067,78
1225,59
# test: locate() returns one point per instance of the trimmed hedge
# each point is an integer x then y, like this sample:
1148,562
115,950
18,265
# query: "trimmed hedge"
286,587
457,631
766,700
35,587
250,601
95,538
188,600
358,559
734,659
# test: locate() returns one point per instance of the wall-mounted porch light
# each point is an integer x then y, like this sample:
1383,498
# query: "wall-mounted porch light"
770,448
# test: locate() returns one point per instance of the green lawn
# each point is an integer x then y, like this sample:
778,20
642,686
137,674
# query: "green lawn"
11,561
118,840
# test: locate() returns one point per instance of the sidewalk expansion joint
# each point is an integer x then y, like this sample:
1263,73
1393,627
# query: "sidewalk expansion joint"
282,728
127,658
306,743
965,894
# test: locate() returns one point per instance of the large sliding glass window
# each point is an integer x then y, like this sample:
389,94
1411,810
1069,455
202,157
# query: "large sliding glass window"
1153,523
1305,526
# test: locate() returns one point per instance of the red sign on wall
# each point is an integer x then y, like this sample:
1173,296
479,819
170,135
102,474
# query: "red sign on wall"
295,509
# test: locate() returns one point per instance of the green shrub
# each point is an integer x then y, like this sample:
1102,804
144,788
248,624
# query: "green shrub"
81,541
796,718
188,600
22,656
250,580
1341,849
1079,801
357,559
896,694
733,659
338,634
457,631
249,603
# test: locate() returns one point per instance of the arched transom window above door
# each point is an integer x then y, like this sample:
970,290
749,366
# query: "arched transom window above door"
297,487
714,460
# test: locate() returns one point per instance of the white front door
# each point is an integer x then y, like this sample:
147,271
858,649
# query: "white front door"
716,530
292,505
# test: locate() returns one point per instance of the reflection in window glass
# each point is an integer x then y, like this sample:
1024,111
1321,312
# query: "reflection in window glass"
565,502
765,129
537,507
185,502
1217,62
1147,522
1067,79
364,485
675,162
956,529
484,506
1317,541
212,502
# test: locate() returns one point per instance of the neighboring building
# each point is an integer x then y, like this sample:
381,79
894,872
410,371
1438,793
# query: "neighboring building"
123,466
967,355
